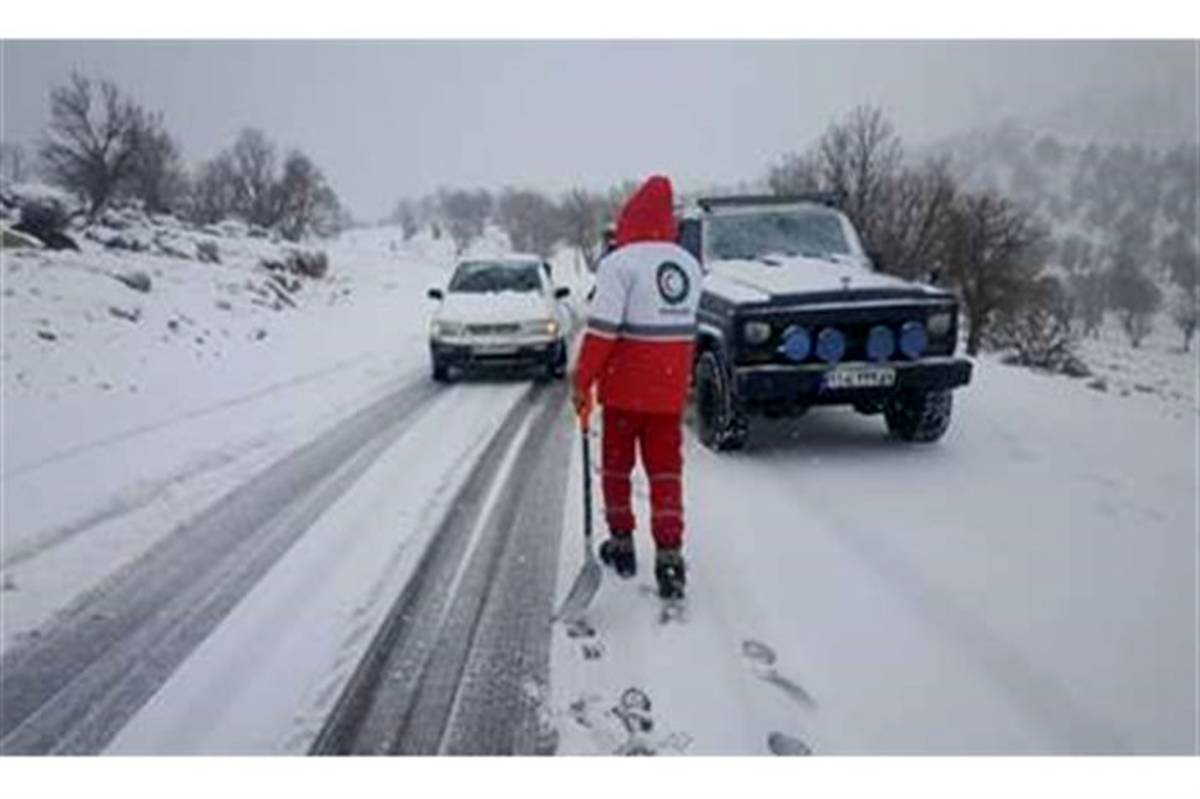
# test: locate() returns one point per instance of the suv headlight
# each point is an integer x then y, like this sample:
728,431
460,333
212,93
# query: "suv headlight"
540,327
440,328
756,332
938,324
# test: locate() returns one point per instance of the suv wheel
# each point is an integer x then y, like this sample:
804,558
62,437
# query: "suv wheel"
920,418
719,424
441,372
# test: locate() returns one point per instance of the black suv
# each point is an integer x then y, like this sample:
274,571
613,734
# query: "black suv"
794,314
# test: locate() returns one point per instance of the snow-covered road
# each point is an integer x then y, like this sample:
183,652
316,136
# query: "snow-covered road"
306,545
1026,586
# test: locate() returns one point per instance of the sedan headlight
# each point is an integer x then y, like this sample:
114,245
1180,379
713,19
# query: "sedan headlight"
540,327
939,323
444,329
756,332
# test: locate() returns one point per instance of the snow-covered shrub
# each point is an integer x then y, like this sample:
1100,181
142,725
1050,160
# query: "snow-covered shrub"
313,264
1038,331
46,219
208,252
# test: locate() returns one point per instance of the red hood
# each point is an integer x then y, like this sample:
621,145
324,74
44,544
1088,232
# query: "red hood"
648,214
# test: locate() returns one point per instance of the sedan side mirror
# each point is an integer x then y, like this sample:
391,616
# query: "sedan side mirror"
435,294
561,293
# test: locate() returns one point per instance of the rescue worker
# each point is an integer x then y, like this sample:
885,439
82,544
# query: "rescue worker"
638,347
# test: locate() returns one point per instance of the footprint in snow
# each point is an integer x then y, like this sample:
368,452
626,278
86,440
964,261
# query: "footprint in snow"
779,743
762,660
627,726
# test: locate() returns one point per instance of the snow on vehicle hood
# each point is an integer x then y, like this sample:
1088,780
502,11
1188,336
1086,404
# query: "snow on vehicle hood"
753,280
494,307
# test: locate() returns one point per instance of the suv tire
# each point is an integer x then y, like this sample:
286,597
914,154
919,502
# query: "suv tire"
718,423
441,372
920,418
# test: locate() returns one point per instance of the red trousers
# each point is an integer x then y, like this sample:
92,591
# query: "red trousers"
660,438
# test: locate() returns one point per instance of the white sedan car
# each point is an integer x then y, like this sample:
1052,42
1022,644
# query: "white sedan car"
499,313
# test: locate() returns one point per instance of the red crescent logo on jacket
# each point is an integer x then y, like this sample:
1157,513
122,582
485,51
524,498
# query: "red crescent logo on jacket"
673,283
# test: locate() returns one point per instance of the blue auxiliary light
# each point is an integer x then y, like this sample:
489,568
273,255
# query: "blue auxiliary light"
831,345
913,340
881,343
797,344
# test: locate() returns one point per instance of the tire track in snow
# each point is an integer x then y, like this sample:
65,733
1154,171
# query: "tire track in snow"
451,669
76,681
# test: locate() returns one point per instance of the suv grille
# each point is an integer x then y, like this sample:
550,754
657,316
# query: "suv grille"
854,323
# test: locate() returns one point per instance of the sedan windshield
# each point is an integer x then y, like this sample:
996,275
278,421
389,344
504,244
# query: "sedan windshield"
484,277
814,233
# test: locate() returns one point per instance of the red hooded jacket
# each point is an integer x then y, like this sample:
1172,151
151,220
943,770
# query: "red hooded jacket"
642,320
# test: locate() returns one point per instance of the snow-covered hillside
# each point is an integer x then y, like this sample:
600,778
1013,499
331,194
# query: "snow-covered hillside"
127,411
1092,193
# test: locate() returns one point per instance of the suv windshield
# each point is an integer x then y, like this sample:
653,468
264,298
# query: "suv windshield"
482,277
814,233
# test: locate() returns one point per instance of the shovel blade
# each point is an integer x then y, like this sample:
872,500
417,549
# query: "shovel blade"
584,589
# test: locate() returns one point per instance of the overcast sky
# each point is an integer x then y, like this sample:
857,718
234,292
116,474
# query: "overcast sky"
389,119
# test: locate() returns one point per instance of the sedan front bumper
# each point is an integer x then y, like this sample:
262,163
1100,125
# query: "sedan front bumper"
499,354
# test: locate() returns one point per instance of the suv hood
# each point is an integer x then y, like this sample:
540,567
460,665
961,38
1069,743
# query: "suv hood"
756,281
494,307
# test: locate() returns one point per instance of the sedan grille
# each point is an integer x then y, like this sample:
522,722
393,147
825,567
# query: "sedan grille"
493,329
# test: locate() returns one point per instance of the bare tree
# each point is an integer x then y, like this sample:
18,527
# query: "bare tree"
13,164
530,219
795,174
405,215
581,214
1089,289
1134,296
253,163
304,201
465,214
908,224
855,160
212,194
1178,253
156,176
1185,312
91,142
990,252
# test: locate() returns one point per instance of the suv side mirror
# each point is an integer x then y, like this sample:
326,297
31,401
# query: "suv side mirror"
876,260
561,293
435,294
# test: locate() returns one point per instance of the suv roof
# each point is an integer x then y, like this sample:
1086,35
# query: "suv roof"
746,202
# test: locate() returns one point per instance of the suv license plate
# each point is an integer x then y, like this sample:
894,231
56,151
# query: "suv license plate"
860,378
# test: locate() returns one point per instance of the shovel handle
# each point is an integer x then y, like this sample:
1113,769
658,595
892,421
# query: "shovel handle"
587,483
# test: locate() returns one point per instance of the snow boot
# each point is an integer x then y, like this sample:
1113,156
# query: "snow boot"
617,553
671,573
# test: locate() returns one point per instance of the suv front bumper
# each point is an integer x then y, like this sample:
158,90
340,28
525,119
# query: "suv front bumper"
804,385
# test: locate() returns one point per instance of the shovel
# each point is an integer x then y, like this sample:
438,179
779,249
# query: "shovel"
588,582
